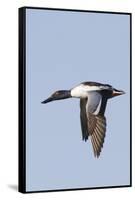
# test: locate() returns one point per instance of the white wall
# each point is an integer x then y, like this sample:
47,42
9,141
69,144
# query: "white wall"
9,95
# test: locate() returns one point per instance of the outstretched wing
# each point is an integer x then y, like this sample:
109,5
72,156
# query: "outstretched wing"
93,122
96,130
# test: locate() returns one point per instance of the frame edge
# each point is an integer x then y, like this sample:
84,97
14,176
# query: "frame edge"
22,102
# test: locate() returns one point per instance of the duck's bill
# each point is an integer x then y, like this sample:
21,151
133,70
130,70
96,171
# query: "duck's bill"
47,100
118,92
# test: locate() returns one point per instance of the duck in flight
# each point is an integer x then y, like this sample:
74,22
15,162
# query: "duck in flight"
93,100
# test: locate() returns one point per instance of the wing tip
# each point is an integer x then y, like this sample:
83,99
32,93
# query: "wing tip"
97,155
85,138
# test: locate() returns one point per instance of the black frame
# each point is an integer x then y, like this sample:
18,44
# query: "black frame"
22,99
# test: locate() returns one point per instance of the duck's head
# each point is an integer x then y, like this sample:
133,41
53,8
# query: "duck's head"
58,95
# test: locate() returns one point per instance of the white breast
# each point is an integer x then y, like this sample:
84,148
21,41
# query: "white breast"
78,92
83,90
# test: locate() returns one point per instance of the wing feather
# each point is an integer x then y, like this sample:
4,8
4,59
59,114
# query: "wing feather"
98,134
93,121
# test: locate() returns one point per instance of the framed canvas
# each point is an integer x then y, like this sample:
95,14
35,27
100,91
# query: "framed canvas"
73,135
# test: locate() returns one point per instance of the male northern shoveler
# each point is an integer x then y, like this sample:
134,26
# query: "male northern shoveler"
93,99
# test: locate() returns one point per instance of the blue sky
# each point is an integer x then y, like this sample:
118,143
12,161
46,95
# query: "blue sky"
64,49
